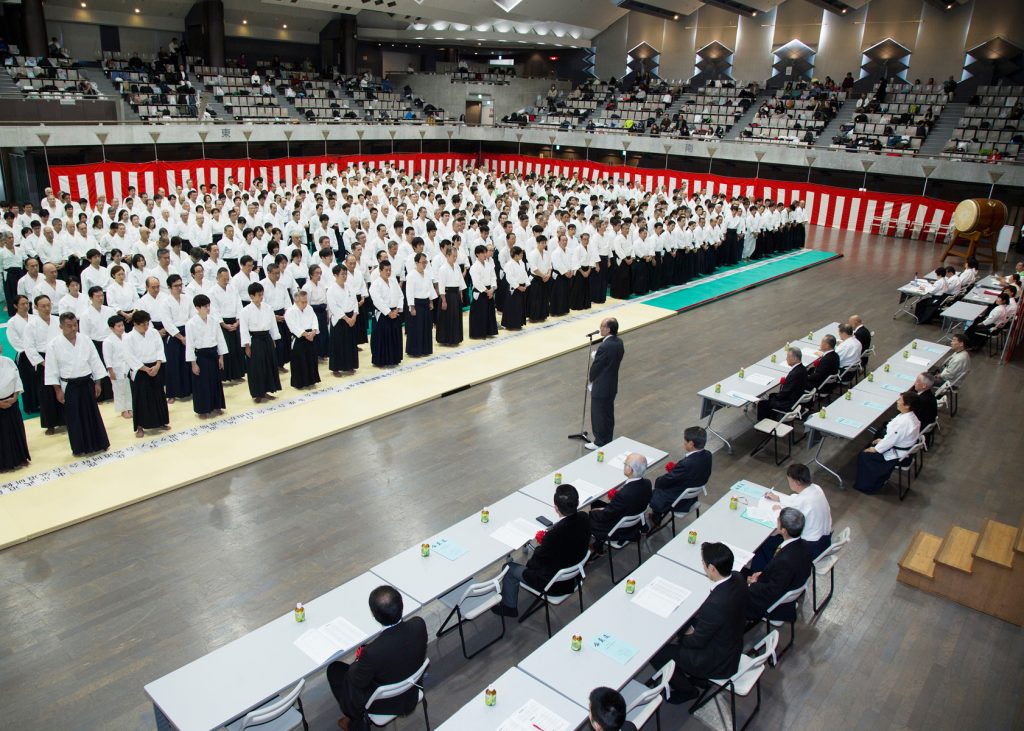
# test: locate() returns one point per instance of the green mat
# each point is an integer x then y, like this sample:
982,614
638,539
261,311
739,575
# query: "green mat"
743,277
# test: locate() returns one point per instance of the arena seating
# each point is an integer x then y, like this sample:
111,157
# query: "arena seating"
899,124
991,126
796,114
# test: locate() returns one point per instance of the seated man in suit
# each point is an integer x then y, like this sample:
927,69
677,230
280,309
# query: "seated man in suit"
608,711
926,408
863,335
826,365
789,569
693,470
712,643
564,545
397,653
793,387
631,498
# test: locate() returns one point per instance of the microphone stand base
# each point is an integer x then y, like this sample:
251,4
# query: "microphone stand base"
582,436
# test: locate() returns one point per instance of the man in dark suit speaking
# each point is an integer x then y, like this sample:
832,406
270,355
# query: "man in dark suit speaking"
397,653
604,383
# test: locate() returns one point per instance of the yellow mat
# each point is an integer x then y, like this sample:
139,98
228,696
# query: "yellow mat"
72,498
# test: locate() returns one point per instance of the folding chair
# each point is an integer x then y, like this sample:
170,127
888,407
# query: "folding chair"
624,524
825,564
394,690
575,574
468,602
746,678
690,493
284,713
643,702
783,427
790,597
907,465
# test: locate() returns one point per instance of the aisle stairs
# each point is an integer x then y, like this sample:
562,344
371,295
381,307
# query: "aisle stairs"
983,571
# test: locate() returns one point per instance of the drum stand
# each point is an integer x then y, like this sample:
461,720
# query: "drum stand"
980,244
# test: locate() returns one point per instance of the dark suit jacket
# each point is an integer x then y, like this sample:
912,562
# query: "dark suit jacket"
395,655
693,470
713,649
828,365
791,390
927,408
789,569
564,545
604,371
630,499
864,336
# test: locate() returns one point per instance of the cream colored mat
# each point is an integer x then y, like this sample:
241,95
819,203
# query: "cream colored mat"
55,503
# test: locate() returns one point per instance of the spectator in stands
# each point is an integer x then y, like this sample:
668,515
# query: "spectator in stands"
53,50
949,86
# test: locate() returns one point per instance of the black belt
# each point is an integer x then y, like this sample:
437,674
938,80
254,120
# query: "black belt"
229,320
79,380
212,350
260,334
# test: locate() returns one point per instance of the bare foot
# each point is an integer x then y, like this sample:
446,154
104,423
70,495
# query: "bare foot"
51,431
126,414
171,400
140,433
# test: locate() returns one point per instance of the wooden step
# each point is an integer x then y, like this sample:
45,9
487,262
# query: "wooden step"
957,550
1019,548
996,544
920,554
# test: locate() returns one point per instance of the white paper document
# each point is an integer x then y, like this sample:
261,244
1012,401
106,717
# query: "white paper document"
336,637
532,716
661,597
744,396
916,360
759,379
763,510
587,491
740,557
618,461
516,533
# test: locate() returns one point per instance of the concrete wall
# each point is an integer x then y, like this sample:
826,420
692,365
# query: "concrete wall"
437,89
937,38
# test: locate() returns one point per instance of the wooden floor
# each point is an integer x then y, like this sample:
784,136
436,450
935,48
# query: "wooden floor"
91,613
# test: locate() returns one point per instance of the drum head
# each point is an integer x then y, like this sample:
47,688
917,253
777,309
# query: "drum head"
965,217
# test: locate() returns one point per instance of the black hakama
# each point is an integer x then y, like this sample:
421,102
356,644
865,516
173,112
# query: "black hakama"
51,411
732,246
13,442
207,388
579,289
323,337
599,282
513,317
679,267
177,373
449,321
537,299
386,338
234,360
305,370
86,431
640,277
800,236
106,390
233,267
559,295
483,321
621,286
149,403
419,329
873,472
654,274
283,347
11,277
363,322
501,291
344,350
30,396
261,373
760,245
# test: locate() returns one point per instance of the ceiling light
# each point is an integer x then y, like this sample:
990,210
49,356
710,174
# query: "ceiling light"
949,7
245,22
138,10
83,5
285,26
844,11
753,14
675,17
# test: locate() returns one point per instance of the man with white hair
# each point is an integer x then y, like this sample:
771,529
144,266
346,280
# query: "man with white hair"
630,498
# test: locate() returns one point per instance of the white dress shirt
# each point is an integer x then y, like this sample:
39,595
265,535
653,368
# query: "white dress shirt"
811,501
849,351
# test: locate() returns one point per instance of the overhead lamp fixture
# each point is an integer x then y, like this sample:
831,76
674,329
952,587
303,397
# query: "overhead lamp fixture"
844,11
138,10
285,26
83,5
245,22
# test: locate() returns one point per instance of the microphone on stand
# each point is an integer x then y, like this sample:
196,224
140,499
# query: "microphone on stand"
596,332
